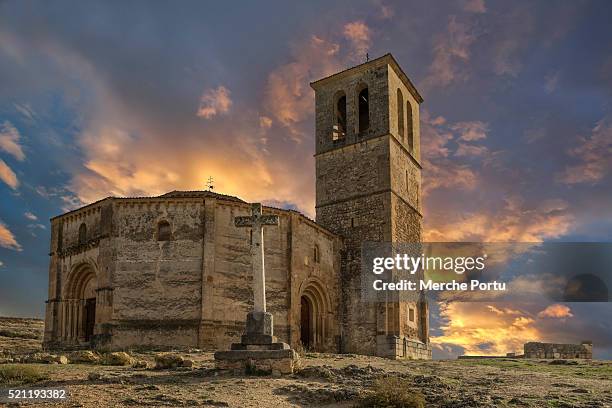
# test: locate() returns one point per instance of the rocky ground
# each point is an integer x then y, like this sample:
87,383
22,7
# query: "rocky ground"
325,381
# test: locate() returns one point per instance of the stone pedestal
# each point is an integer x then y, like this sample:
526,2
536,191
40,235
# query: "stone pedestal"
259,351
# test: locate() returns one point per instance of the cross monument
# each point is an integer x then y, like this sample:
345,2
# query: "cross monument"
256,222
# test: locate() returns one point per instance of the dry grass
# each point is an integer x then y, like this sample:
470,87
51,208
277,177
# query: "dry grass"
20,374
393,392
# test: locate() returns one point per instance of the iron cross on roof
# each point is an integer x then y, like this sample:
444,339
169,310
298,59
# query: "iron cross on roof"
256,221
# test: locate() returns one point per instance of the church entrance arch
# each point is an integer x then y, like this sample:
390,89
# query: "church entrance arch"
314,312
79,305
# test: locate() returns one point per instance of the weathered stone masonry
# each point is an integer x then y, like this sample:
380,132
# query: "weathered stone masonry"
192,290
174,271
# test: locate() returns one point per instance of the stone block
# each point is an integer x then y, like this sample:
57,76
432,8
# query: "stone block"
259,323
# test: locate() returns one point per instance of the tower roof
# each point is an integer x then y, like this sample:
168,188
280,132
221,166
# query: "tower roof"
385,59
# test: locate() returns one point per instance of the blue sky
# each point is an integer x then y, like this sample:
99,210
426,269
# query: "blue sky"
131,98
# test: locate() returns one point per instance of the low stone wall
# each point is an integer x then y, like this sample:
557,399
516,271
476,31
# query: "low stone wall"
552,350
396,347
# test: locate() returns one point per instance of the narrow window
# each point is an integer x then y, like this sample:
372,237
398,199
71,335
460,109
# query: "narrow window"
400,114
352,222
364,110
316,255
409,126
163,231
407,188
411,314
340,122
82,234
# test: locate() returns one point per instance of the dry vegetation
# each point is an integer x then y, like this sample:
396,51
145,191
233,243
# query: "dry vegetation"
325,381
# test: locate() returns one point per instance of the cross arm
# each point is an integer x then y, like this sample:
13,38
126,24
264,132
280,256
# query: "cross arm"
268,220
243,221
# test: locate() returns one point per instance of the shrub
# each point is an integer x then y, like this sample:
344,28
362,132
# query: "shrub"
20,374
393,392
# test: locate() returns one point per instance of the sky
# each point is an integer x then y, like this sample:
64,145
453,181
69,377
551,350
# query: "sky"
141,98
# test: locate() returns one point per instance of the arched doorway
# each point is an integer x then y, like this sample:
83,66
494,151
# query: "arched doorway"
314,316
79,305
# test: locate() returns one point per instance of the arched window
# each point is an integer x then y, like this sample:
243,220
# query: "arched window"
340,117
364,110
400,114
316,255
82,234
164,231
409,125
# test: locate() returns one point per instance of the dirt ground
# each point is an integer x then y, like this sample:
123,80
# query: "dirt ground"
331,380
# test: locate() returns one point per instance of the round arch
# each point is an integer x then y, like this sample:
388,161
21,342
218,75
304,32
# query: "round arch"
315,306
78,311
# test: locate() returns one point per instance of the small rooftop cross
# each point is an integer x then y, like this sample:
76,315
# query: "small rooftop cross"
257,221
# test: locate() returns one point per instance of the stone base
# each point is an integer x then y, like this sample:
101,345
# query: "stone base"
250,361
259,351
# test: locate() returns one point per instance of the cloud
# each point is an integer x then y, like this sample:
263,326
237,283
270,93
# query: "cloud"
513,223
556,311
7,239
595,154
214,101
475,6
359,34
470,150
265,122
551,81
9,141
450,50
8,176
288,97
483,329
30,216
441,171
471,131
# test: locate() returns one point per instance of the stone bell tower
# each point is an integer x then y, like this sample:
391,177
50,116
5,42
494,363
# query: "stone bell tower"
368,172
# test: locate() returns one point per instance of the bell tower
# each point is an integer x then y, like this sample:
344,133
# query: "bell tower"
368,188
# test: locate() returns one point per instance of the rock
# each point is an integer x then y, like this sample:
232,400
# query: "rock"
84,356
168,360
46,358
119,358
141,364
187,363
94,376
61,360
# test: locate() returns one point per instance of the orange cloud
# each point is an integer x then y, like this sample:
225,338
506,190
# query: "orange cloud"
9,141
595,153
214,101
556,311
471,131
359,34
7,239
8,176
514,223
450,49
288,97
475,6
482,329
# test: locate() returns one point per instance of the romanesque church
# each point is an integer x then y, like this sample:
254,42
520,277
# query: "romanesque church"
174,271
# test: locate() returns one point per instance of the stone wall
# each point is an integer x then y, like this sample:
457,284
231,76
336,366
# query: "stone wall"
368,189
553,350
193,290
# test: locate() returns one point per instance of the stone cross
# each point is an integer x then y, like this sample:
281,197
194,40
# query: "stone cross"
256,222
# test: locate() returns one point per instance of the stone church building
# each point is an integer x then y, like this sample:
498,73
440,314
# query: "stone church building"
174,271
